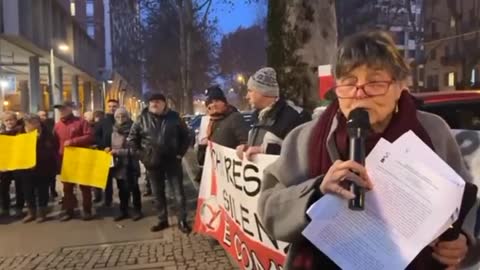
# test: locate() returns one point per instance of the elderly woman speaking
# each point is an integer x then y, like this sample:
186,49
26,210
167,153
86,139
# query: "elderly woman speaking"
370,73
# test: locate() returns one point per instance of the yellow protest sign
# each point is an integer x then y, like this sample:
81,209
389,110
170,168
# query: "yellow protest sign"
18,152
85,166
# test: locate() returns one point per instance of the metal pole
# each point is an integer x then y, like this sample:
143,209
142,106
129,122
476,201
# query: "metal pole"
53,90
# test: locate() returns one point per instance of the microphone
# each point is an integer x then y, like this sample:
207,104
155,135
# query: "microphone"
358,127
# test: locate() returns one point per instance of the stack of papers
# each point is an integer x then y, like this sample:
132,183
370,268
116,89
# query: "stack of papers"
416,197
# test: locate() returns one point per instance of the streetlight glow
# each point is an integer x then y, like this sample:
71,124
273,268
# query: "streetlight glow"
240,78
3,83
63,47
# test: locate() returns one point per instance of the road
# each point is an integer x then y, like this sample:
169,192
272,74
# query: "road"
105,244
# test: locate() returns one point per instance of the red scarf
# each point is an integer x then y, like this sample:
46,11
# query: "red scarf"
214,118
308,257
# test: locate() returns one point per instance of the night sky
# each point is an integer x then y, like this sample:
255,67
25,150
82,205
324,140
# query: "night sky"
230,18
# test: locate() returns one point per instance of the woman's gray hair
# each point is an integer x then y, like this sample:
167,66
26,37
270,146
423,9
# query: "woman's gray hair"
375,49
9,114
122,111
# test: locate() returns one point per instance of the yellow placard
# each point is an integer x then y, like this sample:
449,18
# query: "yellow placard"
85,166
18,152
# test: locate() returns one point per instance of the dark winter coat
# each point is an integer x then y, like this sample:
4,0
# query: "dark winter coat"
158,138
125,162
269,131
103,132
231,130
47,154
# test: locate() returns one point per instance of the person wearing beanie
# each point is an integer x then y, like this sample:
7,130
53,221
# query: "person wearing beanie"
274,116
160,138
226,126
223,125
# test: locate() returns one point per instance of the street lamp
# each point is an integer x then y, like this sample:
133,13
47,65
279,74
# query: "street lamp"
63,47
240,78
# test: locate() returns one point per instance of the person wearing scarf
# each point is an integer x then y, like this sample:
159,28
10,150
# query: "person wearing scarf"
372,74
227,127
126,168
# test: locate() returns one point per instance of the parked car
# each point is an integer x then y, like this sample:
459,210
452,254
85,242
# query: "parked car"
460,109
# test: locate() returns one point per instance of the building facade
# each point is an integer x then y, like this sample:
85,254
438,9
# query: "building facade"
391,15
115,27
452,44
45,57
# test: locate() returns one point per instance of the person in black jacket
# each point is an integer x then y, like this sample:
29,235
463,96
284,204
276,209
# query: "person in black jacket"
103,138
49,123
37,180
160,138
275,116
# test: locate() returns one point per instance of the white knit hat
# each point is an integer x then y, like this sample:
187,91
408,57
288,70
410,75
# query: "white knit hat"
265,82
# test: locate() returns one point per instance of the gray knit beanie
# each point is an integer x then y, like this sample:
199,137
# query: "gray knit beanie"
265,82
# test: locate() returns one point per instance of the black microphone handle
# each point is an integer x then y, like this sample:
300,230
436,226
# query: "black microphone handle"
357,154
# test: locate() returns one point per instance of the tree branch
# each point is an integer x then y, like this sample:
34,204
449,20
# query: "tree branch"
200,7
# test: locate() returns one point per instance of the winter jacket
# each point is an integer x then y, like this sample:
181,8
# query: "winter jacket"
275,123
287,191
47,154
125,162
103,132
231,130
49,124
158,138
76,130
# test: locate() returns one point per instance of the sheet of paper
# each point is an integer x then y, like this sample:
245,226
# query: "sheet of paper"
417,150
403,213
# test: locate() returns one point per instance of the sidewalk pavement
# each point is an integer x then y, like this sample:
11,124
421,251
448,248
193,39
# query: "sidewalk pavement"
105,244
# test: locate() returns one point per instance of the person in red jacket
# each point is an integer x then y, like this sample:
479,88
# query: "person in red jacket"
73,131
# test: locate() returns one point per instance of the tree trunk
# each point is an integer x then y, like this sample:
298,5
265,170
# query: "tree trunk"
302,35
188,98
182,59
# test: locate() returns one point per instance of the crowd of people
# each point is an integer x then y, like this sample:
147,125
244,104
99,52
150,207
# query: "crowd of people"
159,139
370,73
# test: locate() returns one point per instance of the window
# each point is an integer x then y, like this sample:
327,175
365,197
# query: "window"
400,38
447,51
91,30
72,7
451,79
433,54
89,9
411,53
452,22
474,76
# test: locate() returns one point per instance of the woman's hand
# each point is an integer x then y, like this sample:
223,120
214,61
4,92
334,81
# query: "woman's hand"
451,253
107,149
333,182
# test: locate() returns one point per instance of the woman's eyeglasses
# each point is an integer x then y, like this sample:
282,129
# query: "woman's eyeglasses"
371,89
